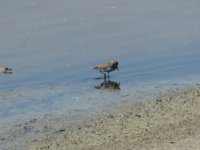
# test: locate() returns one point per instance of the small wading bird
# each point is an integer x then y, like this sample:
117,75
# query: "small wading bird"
5,70
107,67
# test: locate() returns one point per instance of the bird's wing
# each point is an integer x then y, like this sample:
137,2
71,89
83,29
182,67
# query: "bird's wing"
103,66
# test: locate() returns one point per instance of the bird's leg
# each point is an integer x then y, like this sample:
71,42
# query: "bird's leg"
103,74
108,75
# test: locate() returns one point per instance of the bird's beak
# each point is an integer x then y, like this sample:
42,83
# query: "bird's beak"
117,68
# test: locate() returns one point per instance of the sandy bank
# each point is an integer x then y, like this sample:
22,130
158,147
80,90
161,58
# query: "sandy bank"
171,121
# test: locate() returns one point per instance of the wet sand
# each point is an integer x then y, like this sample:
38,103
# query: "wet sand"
170,121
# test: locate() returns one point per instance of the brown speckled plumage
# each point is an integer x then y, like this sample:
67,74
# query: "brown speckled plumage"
107,67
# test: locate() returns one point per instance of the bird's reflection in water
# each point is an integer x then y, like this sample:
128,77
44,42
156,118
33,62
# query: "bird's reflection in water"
108,85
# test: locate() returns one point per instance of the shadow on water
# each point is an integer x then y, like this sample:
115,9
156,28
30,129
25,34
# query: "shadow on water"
108,85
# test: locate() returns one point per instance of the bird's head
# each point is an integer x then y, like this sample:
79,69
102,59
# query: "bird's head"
115,64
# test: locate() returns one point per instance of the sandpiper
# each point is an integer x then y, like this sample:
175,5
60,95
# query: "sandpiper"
107,67
5,70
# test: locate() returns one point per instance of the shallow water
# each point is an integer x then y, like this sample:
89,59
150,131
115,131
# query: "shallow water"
52,47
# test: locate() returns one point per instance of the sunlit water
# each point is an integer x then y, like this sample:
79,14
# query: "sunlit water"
53,45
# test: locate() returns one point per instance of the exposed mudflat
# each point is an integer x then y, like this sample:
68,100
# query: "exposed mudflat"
171,121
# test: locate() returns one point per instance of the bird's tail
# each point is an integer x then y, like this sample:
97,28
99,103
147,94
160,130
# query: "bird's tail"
95,68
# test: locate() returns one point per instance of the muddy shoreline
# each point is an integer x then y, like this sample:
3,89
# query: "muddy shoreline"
171,121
